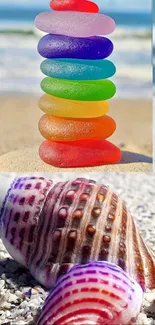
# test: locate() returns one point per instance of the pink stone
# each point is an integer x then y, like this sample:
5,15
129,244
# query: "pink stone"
77,24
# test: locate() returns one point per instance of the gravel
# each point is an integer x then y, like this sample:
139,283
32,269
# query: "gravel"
21,297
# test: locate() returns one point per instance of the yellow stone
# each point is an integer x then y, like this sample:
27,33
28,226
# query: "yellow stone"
72,108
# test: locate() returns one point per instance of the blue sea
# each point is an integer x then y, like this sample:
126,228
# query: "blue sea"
19,60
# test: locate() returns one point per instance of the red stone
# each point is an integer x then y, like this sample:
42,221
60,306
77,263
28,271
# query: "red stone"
75,5
81,153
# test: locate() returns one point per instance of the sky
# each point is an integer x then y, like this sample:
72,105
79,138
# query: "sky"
108,4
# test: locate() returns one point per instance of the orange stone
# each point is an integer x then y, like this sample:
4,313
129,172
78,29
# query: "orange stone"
70,129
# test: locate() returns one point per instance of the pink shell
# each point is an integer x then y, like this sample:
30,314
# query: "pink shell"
95,294
50,228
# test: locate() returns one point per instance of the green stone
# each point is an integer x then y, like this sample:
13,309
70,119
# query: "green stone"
92,90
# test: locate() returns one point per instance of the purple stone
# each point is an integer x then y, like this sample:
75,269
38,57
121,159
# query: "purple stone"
58,46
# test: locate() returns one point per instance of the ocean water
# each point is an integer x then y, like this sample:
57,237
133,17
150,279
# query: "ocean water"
19,60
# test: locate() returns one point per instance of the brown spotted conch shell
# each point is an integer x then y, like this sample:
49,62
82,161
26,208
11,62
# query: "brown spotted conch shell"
50,228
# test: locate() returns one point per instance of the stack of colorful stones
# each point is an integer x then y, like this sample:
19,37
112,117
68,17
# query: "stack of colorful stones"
77,89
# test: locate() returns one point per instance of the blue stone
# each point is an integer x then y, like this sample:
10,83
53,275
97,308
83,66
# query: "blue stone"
74,69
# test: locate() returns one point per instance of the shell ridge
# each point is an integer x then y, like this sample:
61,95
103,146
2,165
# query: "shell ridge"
38,265
88,208
50,225
41,229
79,205
38,214
85,221
81,242
116,233
129,245
49,269
148,262
65,230
96,249
2,209
147,248
138,260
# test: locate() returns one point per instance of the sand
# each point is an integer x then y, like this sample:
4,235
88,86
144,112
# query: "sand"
27,160
20,138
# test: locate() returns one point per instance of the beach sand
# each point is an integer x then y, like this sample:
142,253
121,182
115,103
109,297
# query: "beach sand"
20,137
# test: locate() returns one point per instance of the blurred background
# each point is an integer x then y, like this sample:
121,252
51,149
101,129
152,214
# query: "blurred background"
19,61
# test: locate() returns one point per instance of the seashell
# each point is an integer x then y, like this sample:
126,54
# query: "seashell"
50,228
96,294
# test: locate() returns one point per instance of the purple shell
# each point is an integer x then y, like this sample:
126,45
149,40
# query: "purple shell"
97,293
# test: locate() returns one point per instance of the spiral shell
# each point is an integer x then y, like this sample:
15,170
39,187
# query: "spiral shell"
98,293
50,228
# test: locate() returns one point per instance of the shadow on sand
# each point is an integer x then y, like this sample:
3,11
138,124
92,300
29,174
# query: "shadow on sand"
131,157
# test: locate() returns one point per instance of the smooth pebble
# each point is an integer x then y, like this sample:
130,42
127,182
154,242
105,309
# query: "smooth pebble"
72,108
68,129
2,284
53,46
74,5
82,153
77,24
75,69
79,90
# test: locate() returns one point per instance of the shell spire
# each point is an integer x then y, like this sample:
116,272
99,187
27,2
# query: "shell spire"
50,228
